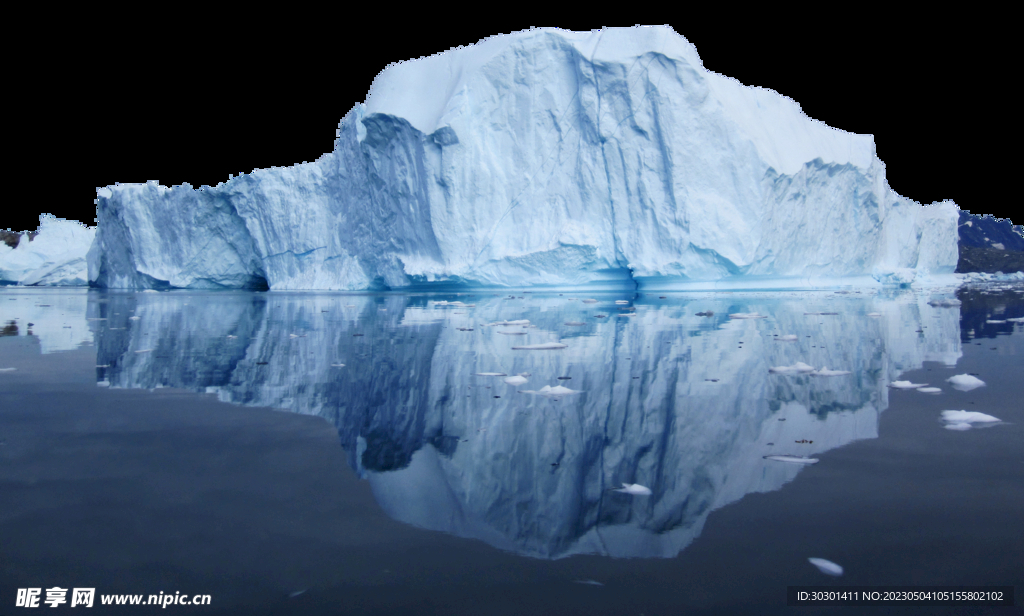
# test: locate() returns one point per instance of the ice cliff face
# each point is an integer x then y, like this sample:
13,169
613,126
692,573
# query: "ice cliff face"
545,157
55,257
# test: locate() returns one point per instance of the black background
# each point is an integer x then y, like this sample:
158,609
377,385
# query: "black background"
191,99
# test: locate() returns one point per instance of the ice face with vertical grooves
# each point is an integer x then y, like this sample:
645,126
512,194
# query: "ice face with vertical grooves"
544,158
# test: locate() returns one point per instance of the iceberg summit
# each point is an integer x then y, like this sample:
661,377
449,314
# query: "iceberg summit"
545,158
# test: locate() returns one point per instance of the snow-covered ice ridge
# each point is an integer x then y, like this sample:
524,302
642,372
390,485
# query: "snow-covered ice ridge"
543,158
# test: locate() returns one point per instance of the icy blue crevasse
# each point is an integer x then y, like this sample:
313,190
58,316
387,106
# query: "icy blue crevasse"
543,158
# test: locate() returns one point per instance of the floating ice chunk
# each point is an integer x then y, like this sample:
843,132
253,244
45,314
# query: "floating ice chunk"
103,383
292,595
102,365
826,566
134,318
144,351
967,417
150,291
548,390
787,338
7,369
540,347
337,365
874,314
996,321
797,368
519,322
793,459
513,333
965,382
747,315
635,489
906,385
575,323
590,301
621,301
516,380
1016,319
490,373
230,337
827,372
930,390
627,314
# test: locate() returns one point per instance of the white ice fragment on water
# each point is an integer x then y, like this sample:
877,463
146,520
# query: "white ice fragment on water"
230,337
150,291
874,314
102,365
965,382
906,385
540,347
621,301
793,459
826,566
590,301
1016,319
967,417
548,390
827,372
519,322
627,314
747,315
787,338
490,373
996,321
516,380
134,318
930,390
7,369
292,595
513,333
144,351
103,383
337,365
574,323
797,368
635,489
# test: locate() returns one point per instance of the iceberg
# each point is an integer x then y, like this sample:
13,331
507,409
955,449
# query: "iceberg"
55,256
605,159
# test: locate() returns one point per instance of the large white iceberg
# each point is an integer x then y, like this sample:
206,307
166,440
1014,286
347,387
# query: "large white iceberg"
56,256
543,158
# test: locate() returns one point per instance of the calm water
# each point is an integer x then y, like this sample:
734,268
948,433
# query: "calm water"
143,448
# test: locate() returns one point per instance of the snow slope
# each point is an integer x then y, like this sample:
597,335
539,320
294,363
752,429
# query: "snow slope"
545,157
55,257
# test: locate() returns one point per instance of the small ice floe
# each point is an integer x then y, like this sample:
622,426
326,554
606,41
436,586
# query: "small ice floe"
874,314
337,365
930,390
540,347
575,323
621,301
906,385
962,420
134,318
1016,319
516,380
590,301
230,337
826,566
150,291
627,314
548,390
797,368
965,382
996,321
747,315
793,459
827,372
513,333
944,303
490,374
102,365
292,595
635,489
519,322
144,351
787,338
588,582
7,369
103,383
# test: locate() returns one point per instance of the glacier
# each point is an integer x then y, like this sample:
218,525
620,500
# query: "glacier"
545,158
55,257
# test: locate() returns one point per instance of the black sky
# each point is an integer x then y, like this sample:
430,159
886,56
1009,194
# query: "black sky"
181,102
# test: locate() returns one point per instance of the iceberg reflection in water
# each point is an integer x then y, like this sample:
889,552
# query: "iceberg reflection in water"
685,405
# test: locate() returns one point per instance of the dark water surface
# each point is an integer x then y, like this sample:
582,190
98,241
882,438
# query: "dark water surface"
143,448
